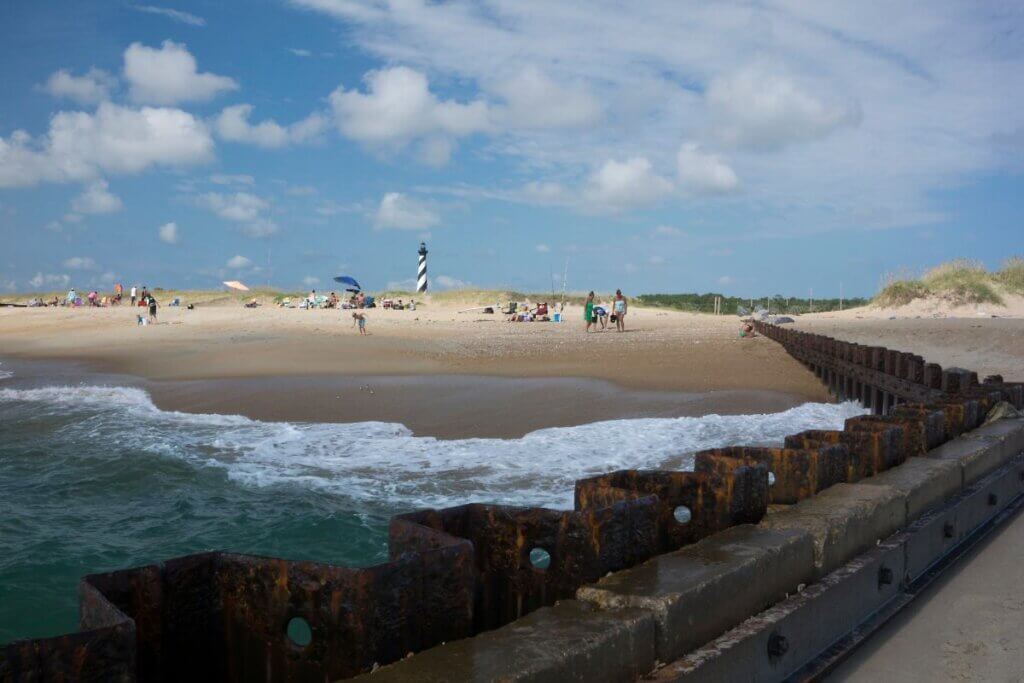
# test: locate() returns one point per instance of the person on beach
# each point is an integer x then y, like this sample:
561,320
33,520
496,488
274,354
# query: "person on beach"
152,309
134,294
360,319
588,311
619,307
601,313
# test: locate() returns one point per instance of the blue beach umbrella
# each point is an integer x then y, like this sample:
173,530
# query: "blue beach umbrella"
346,280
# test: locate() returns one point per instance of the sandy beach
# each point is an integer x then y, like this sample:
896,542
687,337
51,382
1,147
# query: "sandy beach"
506,379
662,361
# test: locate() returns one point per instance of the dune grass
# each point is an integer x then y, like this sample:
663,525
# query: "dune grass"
960,282
1011,275
901,292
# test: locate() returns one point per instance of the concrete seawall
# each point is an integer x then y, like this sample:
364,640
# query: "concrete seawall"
710,574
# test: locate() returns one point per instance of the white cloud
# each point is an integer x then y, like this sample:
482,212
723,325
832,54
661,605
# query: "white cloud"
244,208
168,75
545,191
168,232
233,124
702,172
114,139
758,107
223,179
667,231
542,248
80,263
937,84
91,88
96,199
238,262
400,212
39,280
448,282
619,184
398,108
309,280
176,15
300,52
725,280
240,206
656,260
534,100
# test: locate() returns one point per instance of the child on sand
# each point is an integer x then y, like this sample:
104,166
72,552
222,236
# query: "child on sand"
361,320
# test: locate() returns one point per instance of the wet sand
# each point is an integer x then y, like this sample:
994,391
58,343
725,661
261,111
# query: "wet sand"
662,351
442,406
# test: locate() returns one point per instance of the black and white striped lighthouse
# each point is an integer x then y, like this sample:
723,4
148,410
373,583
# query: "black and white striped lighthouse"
421,273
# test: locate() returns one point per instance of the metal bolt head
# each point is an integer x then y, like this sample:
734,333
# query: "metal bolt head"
948,529
993,499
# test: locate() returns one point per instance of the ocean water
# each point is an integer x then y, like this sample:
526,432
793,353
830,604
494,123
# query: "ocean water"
94,478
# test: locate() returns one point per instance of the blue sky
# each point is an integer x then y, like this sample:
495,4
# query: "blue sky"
745,147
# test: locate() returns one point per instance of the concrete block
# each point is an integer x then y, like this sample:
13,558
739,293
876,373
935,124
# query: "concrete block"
929,538
571,641
844,520
699,591
924,483
990,495
776,643
984,449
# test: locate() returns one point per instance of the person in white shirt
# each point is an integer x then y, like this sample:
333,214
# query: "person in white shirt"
134,294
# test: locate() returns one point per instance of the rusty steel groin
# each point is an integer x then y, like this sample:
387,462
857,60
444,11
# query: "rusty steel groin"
456,573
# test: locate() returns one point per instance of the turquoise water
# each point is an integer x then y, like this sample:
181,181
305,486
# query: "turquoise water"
96,478
73,503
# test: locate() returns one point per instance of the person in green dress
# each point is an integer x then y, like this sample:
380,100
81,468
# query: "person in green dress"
588,311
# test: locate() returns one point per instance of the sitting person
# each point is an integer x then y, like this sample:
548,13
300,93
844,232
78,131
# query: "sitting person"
252,304
747,330
332,300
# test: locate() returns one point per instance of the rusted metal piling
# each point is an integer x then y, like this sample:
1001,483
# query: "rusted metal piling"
460,571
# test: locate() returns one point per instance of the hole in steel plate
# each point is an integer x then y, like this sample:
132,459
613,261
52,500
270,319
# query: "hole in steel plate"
299,632
682,514
540,558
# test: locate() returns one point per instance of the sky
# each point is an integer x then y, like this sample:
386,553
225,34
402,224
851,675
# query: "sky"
748,148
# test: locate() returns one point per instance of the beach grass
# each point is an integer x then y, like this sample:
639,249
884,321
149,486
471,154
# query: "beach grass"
1011,275
900,292
958,282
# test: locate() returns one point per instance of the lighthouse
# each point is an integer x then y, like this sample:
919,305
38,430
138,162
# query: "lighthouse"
421,272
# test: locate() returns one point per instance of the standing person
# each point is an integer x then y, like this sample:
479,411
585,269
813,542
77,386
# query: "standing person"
152,309
619,306
134,294
359,318
588,311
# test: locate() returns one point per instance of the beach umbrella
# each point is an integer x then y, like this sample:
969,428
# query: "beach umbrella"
235,284
346,280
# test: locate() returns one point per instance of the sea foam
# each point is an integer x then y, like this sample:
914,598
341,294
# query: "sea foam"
384,466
